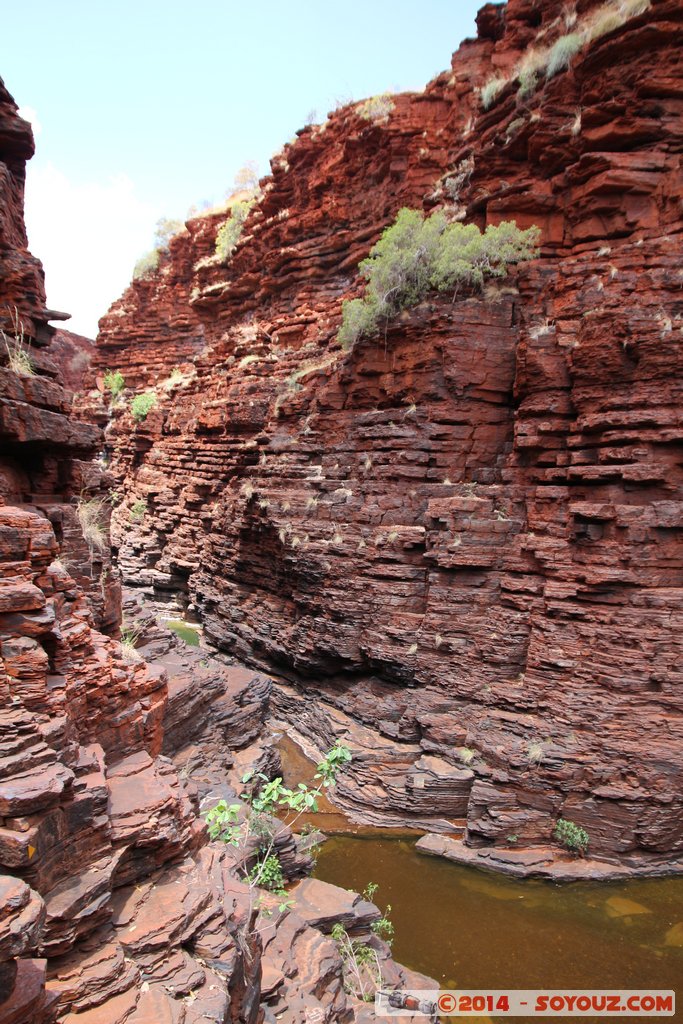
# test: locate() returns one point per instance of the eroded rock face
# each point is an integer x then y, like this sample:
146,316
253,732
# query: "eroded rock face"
113,904
73,354
465,536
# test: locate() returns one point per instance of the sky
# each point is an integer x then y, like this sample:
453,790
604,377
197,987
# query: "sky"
143,108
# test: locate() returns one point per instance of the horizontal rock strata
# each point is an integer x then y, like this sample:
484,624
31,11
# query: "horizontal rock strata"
114,907
464,536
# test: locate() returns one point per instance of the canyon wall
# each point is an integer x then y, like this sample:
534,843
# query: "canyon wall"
460,542
114,906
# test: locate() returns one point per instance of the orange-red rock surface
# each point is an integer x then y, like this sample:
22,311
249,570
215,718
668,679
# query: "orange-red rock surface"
113,904
463,542
73,354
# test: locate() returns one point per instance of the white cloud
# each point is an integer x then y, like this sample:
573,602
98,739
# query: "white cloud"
29,114
88,236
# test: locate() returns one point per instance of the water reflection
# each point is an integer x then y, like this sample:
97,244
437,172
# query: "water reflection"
466,928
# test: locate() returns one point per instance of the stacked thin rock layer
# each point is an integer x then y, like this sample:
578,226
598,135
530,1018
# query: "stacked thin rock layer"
461,541
113,904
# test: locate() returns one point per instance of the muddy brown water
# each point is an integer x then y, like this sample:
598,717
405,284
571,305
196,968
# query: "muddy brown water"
471,929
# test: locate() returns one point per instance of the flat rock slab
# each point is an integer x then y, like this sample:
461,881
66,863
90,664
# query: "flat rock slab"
537,862
22,915
323,905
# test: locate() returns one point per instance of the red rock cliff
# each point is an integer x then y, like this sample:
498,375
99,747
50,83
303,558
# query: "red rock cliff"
87,805
114,907
465,540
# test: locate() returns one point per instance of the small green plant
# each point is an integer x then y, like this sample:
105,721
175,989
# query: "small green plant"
175,377
562,52
91,515
236,824
269,875
142,405
377,108
466,755
416,254
382,927
127,645
571,836
361,967
17,347
230,232
511,839
491,89
535,752
114,382
137,511
369,891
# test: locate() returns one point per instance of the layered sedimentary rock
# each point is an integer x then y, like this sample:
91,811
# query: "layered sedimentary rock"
168,332
464,537
114,906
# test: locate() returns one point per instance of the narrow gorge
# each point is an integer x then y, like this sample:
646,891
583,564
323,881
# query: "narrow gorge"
453,548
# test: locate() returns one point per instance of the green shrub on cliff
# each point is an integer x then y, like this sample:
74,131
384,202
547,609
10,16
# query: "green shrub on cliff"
142,405
230,233
166,229
114,382
416,254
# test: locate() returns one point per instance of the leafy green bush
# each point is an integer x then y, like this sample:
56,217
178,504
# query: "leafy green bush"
146,265
269,875
142,405
572,836
114,382
237,824
415,255
230,233
561,53
137,511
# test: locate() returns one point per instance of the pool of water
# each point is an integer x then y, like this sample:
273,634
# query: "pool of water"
472,929
186,632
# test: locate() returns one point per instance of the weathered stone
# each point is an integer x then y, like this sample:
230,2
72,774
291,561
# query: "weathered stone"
466,536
